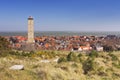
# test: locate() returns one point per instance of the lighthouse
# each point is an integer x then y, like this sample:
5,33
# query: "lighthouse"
30,30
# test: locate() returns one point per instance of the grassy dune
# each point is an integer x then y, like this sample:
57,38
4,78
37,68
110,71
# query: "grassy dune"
71,66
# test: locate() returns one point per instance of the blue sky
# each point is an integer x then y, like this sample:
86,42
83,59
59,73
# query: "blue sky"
60,15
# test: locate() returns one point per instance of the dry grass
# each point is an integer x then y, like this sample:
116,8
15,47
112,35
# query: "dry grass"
35,70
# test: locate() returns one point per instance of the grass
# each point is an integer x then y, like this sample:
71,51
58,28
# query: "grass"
71,66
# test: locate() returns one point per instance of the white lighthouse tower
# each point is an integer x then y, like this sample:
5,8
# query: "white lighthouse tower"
30,30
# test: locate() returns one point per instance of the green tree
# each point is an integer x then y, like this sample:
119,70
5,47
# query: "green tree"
4,49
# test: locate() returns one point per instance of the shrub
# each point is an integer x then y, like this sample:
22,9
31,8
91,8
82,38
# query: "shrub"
82,57
117,65
114,58
4,49
88,65
62,59
79,55
45,54
21,53
72,57
93,54
101,71
74,65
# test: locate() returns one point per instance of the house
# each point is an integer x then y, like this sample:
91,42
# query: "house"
99,48
17,45
84,48
75,49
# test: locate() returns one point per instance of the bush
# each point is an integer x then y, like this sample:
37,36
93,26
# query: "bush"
114,58
45,54
101,71
117,65
79,55
72,57
62,59
93,54
88,65
21,53
74,65
4,49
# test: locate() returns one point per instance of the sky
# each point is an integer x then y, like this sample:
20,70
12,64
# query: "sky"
60,15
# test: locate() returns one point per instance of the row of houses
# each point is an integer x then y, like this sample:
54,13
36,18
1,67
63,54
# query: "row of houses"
74,43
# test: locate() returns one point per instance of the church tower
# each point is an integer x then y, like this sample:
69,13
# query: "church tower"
30,30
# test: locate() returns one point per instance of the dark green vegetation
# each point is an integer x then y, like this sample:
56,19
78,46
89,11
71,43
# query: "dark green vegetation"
4,47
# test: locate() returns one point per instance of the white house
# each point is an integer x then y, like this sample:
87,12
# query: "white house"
99,48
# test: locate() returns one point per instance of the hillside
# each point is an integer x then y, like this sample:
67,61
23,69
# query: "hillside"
70,66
